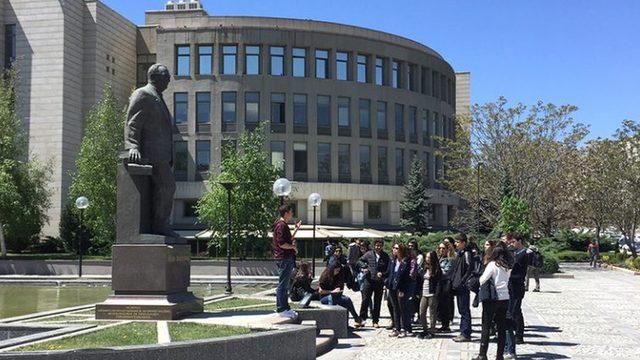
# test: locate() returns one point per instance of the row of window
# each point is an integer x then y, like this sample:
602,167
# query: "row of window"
9,45
368,68
324,161
406,118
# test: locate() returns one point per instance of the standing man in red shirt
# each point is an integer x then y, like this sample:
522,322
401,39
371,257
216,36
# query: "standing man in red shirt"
284,249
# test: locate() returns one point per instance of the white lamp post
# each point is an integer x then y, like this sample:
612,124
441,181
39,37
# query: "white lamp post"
314,200
81,203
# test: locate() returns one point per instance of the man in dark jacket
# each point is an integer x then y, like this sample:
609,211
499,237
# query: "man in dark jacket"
462,270
373,264
515,320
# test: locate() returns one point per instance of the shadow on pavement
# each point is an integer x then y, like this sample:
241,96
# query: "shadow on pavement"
551,343
542,355
540,328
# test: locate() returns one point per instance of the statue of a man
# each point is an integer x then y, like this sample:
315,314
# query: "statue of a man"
149,136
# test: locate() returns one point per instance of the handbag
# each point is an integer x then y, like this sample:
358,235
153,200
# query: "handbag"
488,291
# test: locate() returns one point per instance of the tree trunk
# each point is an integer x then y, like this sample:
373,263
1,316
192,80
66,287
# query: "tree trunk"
3,245
598,233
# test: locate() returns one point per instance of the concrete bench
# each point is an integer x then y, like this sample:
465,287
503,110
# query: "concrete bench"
332,317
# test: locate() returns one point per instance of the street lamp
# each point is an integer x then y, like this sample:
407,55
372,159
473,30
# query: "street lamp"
81,203
282,188
479,166
314,200
228,186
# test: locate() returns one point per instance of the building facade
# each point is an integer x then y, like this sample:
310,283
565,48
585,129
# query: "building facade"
347,108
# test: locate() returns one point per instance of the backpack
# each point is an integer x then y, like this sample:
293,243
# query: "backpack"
536,259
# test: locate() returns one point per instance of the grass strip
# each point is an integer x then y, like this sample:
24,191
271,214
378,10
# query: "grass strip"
185,331
235,302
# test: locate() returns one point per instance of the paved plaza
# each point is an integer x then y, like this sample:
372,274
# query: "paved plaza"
596,315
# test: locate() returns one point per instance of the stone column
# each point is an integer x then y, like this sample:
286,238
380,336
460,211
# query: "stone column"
357,212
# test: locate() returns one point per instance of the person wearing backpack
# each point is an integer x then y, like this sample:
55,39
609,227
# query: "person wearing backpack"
515,320
462,271
536,260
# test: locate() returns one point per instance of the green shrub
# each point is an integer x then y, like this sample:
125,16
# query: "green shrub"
629,263
571,255
550,265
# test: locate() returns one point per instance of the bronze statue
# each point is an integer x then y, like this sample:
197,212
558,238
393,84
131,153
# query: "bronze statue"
149,140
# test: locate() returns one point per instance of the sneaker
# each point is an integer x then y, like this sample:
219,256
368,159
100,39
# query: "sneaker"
444,329
410,334
359,324
375,325
402,334
394,333
290,314
536,290
510,356
461,338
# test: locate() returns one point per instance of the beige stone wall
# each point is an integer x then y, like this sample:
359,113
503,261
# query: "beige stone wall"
463,93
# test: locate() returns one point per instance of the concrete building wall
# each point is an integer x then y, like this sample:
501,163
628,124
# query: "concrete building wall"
195,27
2,32
58,50
463,93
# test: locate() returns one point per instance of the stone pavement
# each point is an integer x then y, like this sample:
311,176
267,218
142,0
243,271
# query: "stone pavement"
596,315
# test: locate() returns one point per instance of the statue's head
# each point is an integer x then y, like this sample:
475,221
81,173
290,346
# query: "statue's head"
159,76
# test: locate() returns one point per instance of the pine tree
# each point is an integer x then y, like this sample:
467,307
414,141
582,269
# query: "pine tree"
415,204
95,175
515,216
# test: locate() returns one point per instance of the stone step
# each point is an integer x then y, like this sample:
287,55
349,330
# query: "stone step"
325,341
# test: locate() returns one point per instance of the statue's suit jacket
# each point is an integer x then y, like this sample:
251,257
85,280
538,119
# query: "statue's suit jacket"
149,126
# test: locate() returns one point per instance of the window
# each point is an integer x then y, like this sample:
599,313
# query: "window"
342,66
399,113
300,161
299,62
277,60
395,74
364,117
383,172
324,162
183,55
300,109
203,107
374,210
229,54
362,68
379,71
344,162
322,64
277,155
365,164
203,155
229,107
334,210
381,118
434,84
9,45
189,208
277,108
425,126
205,59
180,160
443,87
324,111
180,107
252,60
449,91
252,107
413,124
424,81
410,77
343,112
399,166
427,168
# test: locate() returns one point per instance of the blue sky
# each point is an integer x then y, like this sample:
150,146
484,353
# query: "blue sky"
580,52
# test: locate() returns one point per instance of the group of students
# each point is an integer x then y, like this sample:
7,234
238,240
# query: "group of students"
426,284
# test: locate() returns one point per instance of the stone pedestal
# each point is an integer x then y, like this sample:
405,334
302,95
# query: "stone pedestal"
150,282
150,273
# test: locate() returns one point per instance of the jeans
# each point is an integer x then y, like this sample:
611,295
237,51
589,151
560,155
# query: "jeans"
341,300
371,288
535,272
285,268
428,303
402,310
514,325
493,312
463,298
594,260
445,308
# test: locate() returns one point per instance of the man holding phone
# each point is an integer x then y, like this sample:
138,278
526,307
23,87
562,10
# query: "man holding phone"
284,250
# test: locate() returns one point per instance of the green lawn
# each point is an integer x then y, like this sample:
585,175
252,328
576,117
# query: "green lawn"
236,302
119,335
184,331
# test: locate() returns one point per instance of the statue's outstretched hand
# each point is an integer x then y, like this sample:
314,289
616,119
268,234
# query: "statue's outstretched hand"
134,155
